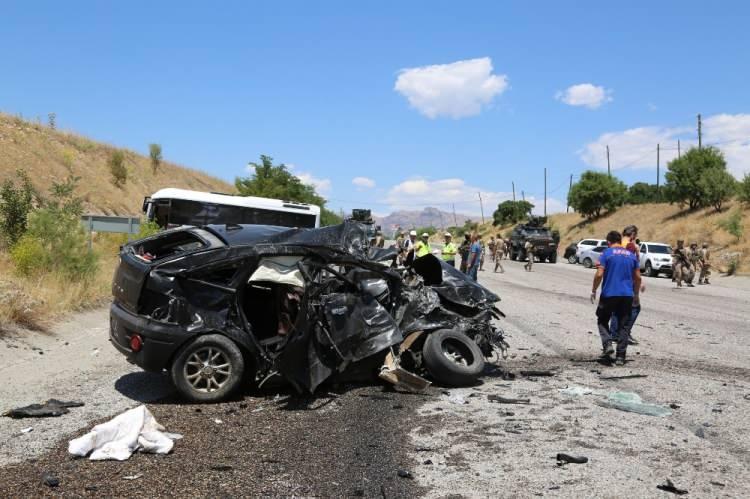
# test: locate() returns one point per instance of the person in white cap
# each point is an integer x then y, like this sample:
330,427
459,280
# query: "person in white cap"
449,250
422,247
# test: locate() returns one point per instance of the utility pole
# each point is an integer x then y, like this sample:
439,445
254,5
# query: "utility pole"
700,133
481,206
455,223
523,196
514,191
567,208
609,171
545,191
658,176
678,149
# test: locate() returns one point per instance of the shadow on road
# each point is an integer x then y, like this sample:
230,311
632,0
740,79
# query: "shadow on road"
144,386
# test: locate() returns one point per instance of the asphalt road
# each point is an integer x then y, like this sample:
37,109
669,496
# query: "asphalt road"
352,440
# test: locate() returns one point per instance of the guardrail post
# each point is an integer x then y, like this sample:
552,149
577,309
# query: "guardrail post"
130,228
91,232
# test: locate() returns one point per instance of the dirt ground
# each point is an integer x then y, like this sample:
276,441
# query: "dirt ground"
352,440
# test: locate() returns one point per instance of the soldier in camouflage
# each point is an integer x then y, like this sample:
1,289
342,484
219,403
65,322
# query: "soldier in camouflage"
705,264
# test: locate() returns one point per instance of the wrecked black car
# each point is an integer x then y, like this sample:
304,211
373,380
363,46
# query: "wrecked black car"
223,305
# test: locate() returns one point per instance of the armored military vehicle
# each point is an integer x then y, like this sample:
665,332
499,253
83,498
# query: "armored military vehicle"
544,239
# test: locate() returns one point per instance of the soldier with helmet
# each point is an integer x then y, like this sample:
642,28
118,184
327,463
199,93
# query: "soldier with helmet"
704,260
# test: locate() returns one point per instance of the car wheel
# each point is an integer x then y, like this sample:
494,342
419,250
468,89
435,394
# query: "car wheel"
208,369
553,258
648,270
588,263
572,259
452,358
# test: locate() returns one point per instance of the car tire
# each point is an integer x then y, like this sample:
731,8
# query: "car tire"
452,358
553,258
648,270
219,376
572,259
588,263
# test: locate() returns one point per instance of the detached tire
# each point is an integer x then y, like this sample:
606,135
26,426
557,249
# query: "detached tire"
452,358
208,369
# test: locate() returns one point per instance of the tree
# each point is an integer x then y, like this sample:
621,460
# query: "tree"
743,189
690,178
510,212
275,181
596,192
154,150
718,186
15,204
117,168
641,192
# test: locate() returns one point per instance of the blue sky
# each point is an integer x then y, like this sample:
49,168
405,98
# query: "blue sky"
427,102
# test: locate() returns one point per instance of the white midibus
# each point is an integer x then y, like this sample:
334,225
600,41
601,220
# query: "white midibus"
172,207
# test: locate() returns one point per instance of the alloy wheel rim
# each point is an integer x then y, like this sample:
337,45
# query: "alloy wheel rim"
207,369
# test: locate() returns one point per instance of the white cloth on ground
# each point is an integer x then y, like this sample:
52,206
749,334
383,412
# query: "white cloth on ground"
133,430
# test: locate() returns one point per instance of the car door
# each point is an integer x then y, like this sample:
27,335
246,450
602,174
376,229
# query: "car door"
644,255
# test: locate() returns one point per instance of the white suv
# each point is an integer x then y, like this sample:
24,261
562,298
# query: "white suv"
588,244
656,258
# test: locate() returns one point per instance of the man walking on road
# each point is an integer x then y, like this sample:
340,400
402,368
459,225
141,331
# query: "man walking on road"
530,253
619,274
449,250
705,256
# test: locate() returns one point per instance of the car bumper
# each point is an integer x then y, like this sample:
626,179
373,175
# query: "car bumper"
160,341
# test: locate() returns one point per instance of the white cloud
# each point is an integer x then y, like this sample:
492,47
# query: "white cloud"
363,183
636,147
322,185
456,90
585,94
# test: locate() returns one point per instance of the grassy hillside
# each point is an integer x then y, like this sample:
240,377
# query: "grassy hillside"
660,223
49,155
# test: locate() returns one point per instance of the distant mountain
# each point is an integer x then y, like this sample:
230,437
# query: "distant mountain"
407,219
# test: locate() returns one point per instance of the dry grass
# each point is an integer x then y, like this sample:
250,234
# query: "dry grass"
39,301
659,222
50,155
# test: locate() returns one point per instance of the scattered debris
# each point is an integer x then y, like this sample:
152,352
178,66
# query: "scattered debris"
716,409
631,402
405,474
218,421
700,433
563,459
503,400
50,480
27,430
626,376
424,449
133,477
427,461
51,408
222,467
457,399
576,391
133,430
538,373
670,487
674,406
718,484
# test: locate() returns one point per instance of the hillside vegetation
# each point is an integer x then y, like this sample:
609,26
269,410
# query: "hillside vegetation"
660,222
49,155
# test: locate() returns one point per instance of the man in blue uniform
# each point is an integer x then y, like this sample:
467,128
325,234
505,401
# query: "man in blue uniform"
619,274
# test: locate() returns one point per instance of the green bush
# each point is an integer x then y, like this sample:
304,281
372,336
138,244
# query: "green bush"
154,151
117,168
28,255
55,240
16,201
147,228
733,224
